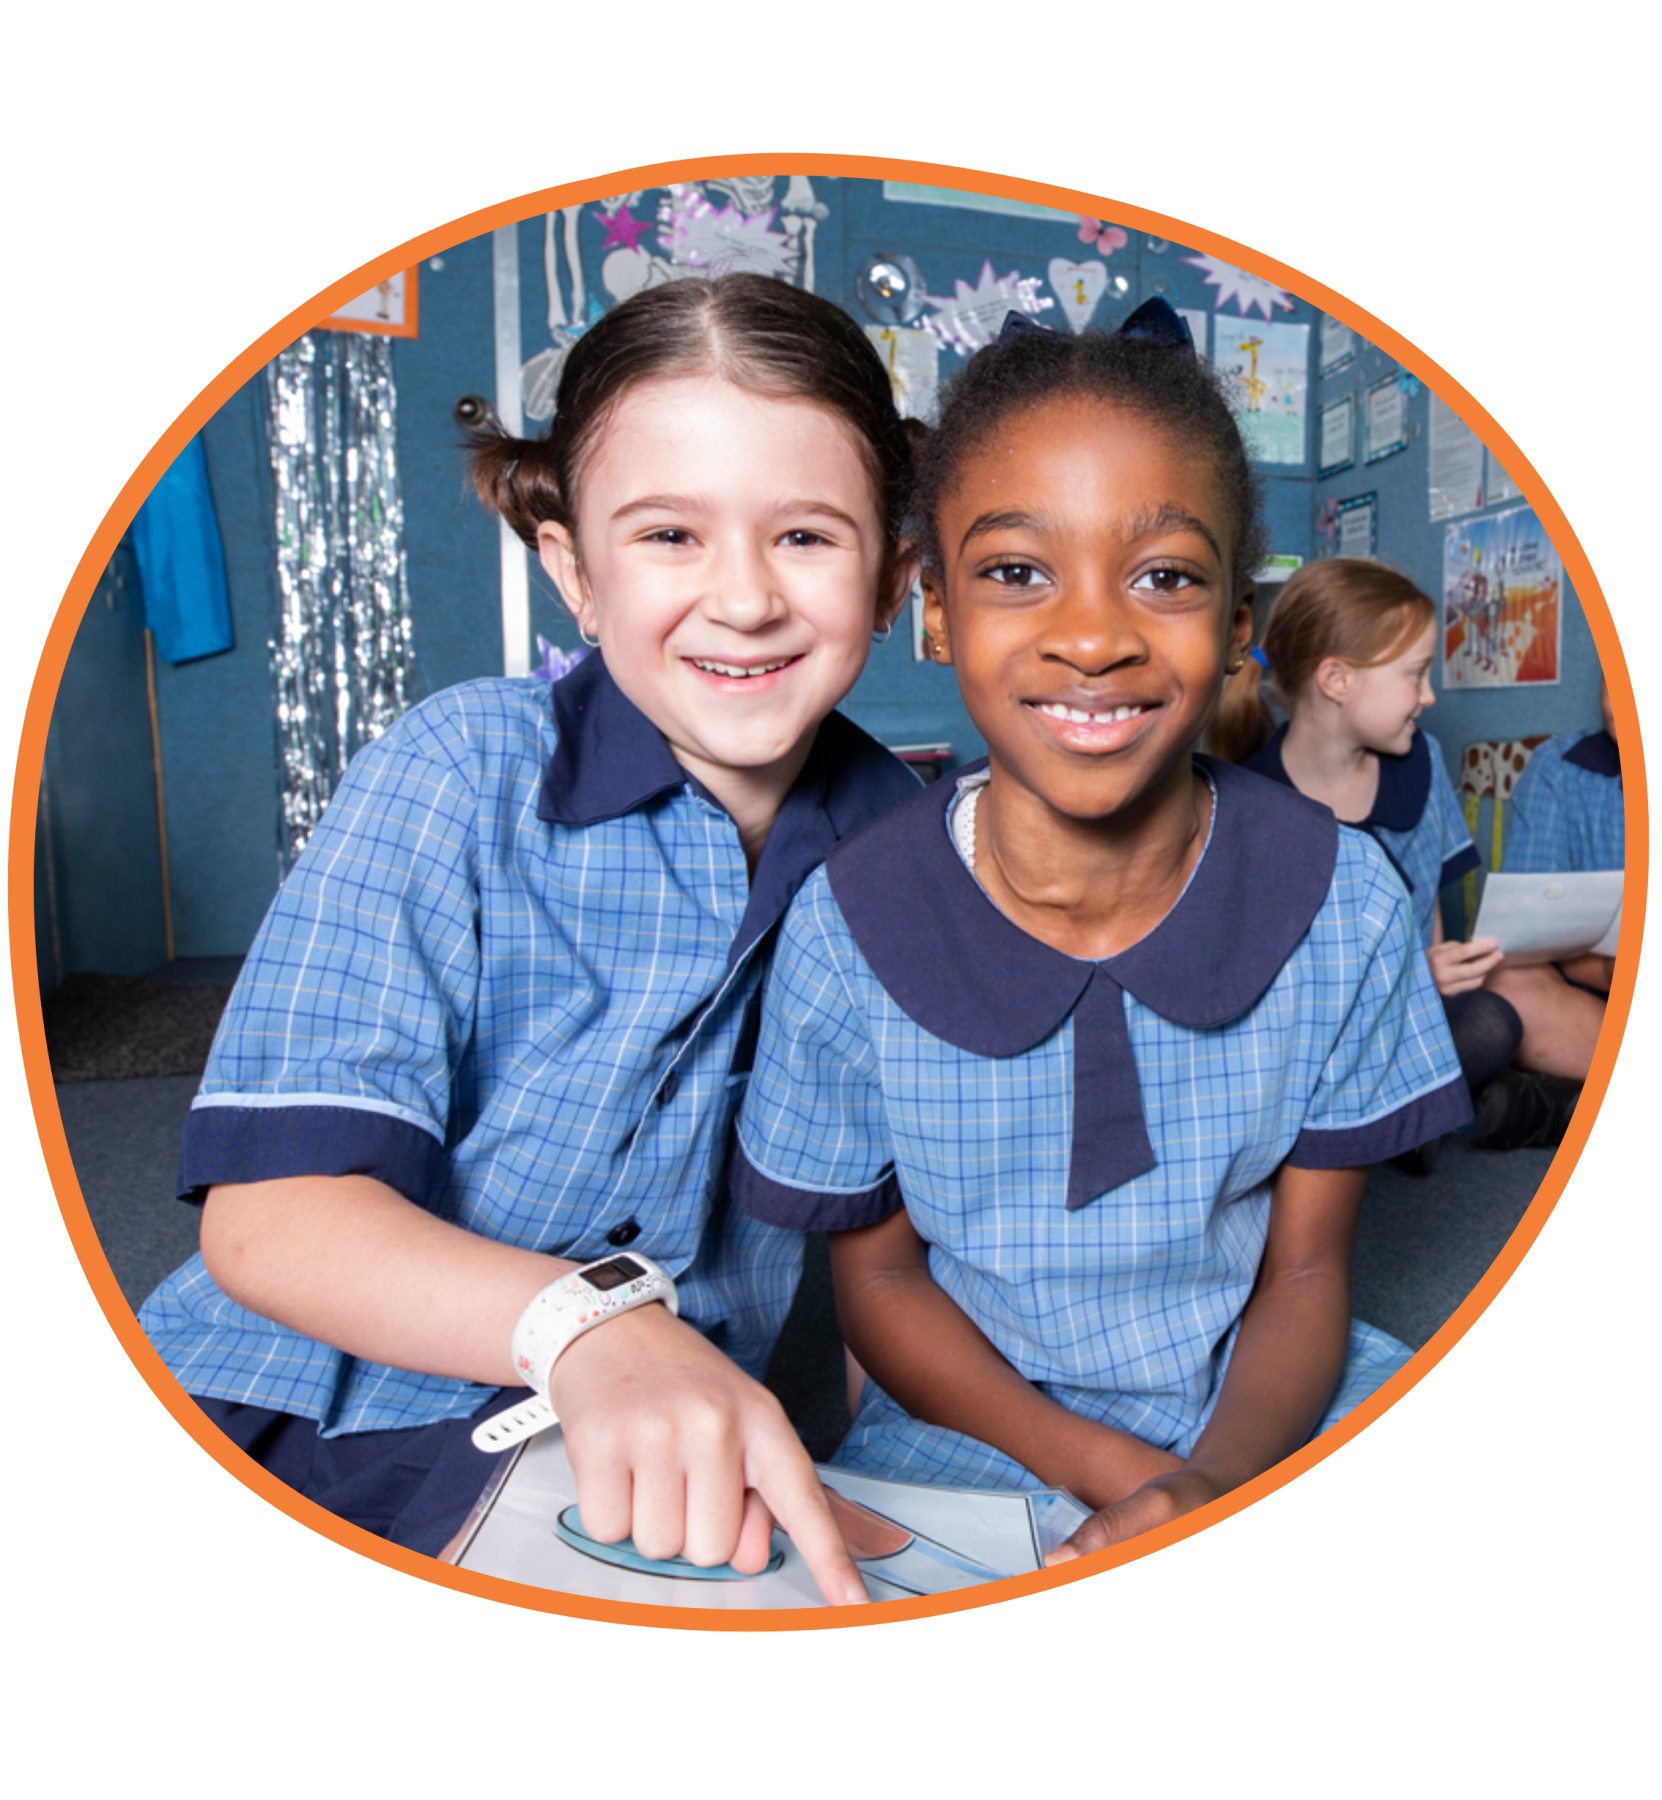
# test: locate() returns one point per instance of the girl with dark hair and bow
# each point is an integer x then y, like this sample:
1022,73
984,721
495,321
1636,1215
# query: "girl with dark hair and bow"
1092,1168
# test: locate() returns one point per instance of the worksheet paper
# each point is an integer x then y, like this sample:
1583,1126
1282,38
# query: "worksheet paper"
1548,917
905,1540
1456,463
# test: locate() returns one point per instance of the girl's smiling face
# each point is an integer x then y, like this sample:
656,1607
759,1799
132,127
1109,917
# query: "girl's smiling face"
731,556
1085,600
1381,702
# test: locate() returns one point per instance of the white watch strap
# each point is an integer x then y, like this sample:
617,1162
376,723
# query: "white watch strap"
561,1313
504,1429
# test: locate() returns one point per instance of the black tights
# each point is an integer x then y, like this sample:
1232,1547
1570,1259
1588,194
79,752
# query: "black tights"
1487,1032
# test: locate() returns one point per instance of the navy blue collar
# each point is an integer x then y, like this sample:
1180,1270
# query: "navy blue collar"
1261,879
1404,782
1599,752
611,760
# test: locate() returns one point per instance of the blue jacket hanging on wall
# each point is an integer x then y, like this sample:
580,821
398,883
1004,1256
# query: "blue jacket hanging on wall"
182,562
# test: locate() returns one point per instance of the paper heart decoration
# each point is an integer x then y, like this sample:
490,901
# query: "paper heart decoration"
1079,286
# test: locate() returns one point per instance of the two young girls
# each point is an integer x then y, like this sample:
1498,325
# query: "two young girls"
495,1024
1349,646
1092,1162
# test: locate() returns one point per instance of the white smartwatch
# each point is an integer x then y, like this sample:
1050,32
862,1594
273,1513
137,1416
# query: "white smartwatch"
561,1313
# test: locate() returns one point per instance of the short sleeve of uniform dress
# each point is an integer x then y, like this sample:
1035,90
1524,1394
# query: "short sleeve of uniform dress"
1088,1148
1567,809
512,976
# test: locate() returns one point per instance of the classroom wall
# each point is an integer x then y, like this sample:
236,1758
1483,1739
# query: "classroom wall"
1410,541
217,724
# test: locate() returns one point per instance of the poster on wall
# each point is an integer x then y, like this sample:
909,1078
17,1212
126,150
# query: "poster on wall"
1270,366
1385,423
1358,521
1502,602
1336,436
913,359
1500,485
1456,463
916,193
387,310
1337,346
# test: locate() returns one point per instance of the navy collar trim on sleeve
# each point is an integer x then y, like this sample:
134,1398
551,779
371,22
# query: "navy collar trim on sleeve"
610,760
1598,752
955,965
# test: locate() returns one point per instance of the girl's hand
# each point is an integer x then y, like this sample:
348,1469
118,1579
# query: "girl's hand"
1156,1502
1460,968
677,1448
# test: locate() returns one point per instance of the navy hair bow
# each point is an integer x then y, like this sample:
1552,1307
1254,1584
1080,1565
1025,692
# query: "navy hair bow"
1156,321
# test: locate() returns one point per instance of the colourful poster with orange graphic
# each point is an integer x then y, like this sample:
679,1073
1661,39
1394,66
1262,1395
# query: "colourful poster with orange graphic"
1503,588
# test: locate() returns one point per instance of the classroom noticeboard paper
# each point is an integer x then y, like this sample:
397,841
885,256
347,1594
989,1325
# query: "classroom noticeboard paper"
1456,463
1269,365
1502,602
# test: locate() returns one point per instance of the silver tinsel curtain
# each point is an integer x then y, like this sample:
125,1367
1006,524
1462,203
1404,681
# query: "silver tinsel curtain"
342,661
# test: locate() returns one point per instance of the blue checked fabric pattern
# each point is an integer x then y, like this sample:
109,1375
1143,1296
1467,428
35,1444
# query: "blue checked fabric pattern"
1562,816
1124,1310
526,995
1438,839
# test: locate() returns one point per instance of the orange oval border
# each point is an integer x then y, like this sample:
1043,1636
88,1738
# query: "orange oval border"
32,746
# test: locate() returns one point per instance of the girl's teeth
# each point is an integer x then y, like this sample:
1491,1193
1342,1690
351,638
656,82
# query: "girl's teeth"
715,668
1074,716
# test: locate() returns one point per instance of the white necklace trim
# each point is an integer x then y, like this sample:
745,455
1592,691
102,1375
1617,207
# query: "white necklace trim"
963,818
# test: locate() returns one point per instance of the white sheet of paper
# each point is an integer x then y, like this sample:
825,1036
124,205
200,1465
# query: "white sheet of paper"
1606,946
1338,422
1456,463
1356,530
1338,345
1387,411
1546,917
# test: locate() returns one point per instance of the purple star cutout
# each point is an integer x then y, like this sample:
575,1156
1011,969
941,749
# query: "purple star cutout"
623,229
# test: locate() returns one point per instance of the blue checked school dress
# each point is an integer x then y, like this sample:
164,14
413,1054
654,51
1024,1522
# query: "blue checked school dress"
1566,811
1088,1147
515,975
1416,820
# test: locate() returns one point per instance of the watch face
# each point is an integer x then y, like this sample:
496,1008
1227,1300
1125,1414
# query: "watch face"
613,1274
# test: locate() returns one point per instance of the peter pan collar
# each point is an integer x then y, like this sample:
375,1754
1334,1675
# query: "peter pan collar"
959,968
610,760
1404,782
1599,752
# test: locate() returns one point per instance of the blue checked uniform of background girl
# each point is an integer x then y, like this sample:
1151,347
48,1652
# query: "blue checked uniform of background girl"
1088,1038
